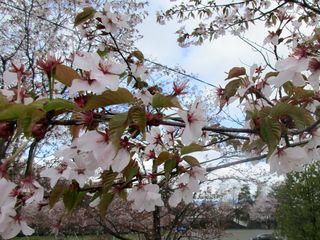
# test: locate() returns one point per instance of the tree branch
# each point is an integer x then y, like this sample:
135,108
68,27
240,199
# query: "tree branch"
210,169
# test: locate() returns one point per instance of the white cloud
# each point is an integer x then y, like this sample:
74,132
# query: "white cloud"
210,61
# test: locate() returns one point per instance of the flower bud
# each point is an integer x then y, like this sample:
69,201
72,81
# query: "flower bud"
178,88
39,130
6,130
49,64
81,101
154,119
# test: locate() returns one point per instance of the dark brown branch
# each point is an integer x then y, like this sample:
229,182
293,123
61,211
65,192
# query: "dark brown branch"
307,129
210,169
174,124
304,4
211,129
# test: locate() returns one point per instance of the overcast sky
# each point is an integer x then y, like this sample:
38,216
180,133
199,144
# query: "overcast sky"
209,62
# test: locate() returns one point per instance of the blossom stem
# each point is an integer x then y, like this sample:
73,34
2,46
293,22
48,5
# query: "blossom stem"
31,154
50,87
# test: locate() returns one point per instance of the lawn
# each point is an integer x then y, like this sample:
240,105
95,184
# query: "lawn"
230,235
66,238
243,234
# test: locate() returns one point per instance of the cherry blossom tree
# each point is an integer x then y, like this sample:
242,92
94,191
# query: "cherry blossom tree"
128,138
263,210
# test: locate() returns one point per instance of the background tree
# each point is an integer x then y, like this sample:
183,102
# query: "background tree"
133,139
298,212
263,210
243,204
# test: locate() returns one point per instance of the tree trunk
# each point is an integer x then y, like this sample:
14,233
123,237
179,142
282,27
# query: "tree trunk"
156,214
2,149
156,224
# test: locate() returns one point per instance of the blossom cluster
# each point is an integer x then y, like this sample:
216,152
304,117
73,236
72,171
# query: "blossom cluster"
130,138
13,198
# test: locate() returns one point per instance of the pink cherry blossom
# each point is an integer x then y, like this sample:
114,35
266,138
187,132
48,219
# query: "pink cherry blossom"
139,71
154,137
108,72
183,193
99,144
7,209
81,168
87,83
195,121
290,69
145,197
33,189
13,75
314,78
6,188
169,135
121,160
97,73
188,183
283,161
145,96
13,225
54,173
272,38
112,21
247,82
86,60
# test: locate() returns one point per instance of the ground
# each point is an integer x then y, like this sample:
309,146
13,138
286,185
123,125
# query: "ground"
230,235
243,234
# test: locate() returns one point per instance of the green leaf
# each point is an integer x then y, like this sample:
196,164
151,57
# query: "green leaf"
236,72
12,112
123,195
131,170
56,194
117,125
107,179
137,116
105,200
65,74
270,132
86,14
72,198
163,157
191,160
193,147
288,88
28,118
271,74
120,122
231,88
58,104
169,165
138,55
25,115
3,102
300,116
108,98
162,101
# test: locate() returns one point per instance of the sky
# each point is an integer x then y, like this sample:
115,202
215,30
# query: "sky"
209,62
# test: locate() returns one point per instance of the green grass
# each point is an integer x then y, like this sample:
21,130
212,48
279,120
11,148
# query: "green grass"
230,235
243,234
66,238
